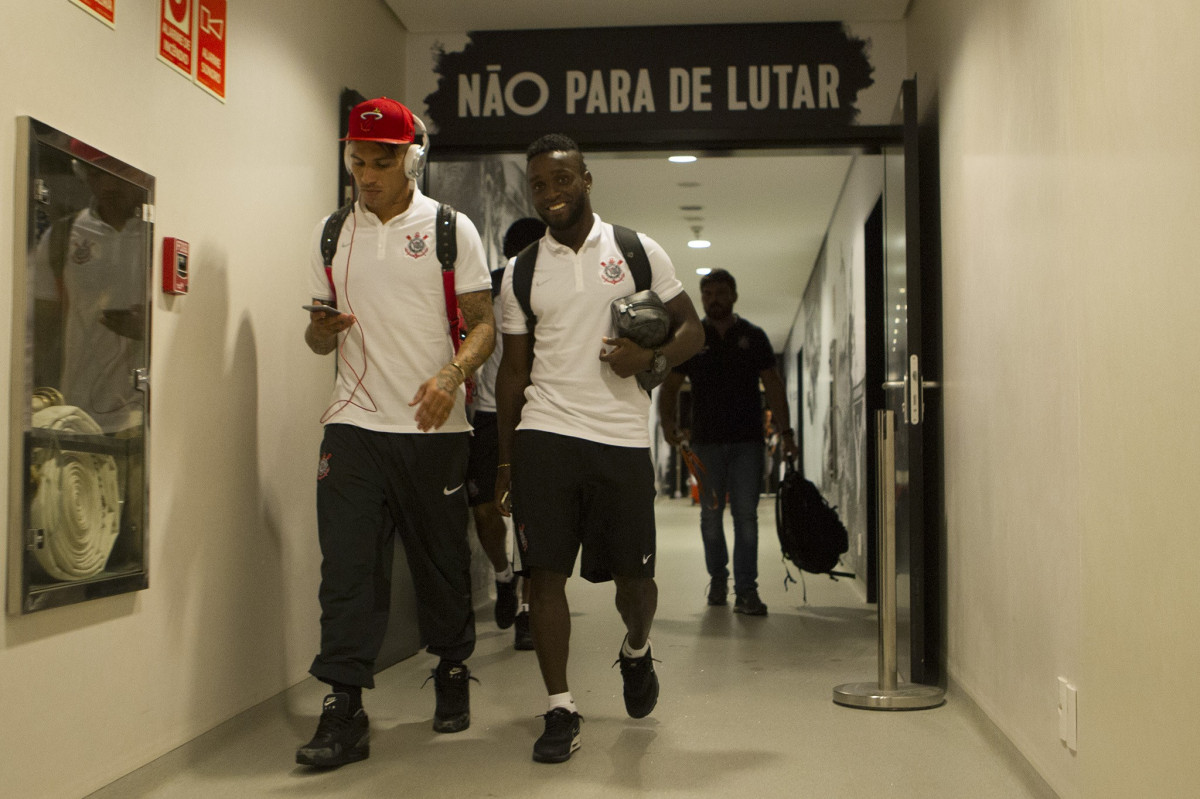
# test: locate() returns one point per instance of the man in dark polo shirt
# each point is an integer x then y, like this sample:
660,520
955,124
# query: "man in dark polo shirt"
727,435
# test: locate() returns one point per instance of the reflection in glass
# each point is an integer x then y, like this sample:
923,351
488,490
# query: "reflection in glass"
86,280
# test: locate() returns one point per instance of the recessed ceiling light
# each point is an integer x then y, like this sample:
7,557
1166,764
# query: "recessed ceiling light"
704,270
682,159
699,244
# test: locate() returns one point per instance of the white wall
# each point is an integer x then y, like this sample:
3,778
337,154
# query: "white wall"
230,617
1069,175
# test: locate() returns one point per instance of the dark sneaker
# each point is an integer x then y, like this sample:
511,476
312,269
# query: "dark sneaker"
506,603
749,604
561,737
717,591
641,684
452,684
341,737
524,636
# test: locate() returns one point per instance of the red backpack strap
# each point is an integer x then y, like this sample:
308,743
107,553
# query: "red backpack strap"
447,252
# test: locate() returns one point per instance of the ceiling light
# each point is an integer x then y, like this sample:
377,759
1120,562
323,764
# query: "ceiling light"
704,270
682,159
698,243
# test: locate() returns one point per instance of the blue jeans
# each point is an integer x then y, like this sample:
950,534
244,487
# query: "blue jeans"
735,470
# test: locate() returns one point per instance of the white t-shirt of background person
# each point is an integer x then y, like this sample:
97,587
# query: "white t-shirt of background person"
104,270
573,392
485,376
389,277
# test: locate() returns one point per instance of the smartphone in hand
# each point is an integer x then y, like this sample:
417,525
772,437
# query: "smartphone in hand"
328,310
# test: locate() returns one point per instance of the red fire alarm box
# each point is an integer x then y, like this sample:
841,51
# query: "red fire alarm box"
175,265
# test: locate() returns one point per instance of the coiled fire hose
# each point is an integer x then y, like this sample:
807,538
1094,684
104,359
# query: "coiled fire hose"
76,501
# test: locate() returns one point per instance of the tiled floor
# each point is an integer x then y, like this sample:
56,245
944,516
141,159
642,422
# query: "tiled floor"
745,710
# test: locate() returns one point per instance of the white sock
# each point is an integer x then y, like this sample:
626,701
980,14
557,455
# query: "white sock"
563,700
630,652
523,609
505,576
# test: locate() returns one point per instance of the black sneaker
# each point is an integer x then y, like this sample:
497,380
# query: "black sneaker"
506,603
452,684
749,604
524,636
641,684
717,591
341,737
561,737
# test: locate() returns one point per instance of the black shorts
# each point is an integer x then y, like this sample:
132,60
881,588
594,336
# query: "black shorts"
482,462
570,492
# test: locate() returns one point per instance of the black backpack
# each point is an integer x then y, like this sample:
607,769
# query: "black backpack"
810,532
447,253
627,241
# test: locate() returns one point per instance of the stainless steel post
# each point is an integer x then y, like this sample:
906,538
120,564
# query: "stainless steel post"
887,694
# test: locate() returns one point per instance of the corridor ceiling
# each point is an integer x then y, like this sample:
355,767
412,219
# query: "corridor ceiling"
765,212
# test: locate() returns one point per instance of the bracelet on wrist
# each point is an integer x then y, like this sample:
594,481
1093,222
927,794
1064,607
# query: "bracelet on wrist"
503,465
461,371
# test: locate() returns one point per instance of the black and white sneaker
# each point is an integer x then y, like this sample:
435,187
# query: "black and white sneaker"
524,635
341,738
641,683
561,737
506,603
452,684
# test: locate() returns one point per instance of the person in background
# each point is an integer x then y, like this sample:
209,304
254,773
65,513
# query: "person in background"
394,456
727,435
574,432
481,467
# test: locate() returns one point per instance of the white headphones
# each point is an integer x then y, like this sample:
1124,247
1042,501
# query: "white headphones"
416,155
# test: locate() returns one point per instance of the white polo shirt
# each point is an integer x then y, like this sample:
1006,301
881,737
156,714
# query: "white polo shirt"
105,270
573,392
389,277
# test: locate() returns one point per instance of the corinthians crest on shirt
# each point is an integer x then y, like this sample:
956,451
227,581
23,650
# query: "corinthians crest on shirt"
418,245
611,271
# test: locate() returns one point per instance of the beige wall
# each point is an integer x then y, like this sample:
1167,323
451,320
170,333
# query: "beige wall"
230,617
1069,175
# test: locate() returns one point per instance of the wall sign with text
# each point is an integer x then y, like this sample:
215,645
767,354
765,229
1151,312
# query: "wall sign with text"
714,82
175,35
191,40
103,10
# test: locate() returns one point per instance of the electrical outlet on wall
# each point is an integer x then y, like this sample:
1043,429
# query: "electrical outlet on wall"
1068,724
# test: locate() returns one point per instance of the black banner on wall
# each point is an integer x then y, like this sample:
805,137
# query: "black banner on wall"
671,83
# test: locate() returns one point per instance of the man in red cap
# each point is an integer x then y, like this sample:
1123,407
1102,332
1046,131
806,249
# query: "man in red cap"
394,454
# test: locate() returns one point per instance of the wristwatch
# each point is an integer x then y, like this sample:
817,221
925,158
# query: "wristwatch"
658,365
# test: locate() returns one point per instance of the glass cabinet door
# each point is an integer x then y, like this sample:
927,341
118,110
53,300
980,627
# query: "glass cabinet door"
81,356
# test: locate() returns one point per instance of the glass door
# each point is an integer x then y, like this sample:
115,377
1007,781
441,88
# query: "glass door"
905,386
81,356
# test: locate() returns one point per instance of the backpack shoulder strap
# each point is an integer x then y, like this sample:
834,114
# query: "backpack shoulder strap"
523,281
447,239
635,255
333,231
329,240
445,233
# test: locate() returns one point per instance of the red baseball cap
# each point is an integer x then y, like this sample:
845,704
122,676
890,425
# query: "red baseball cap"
381,120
